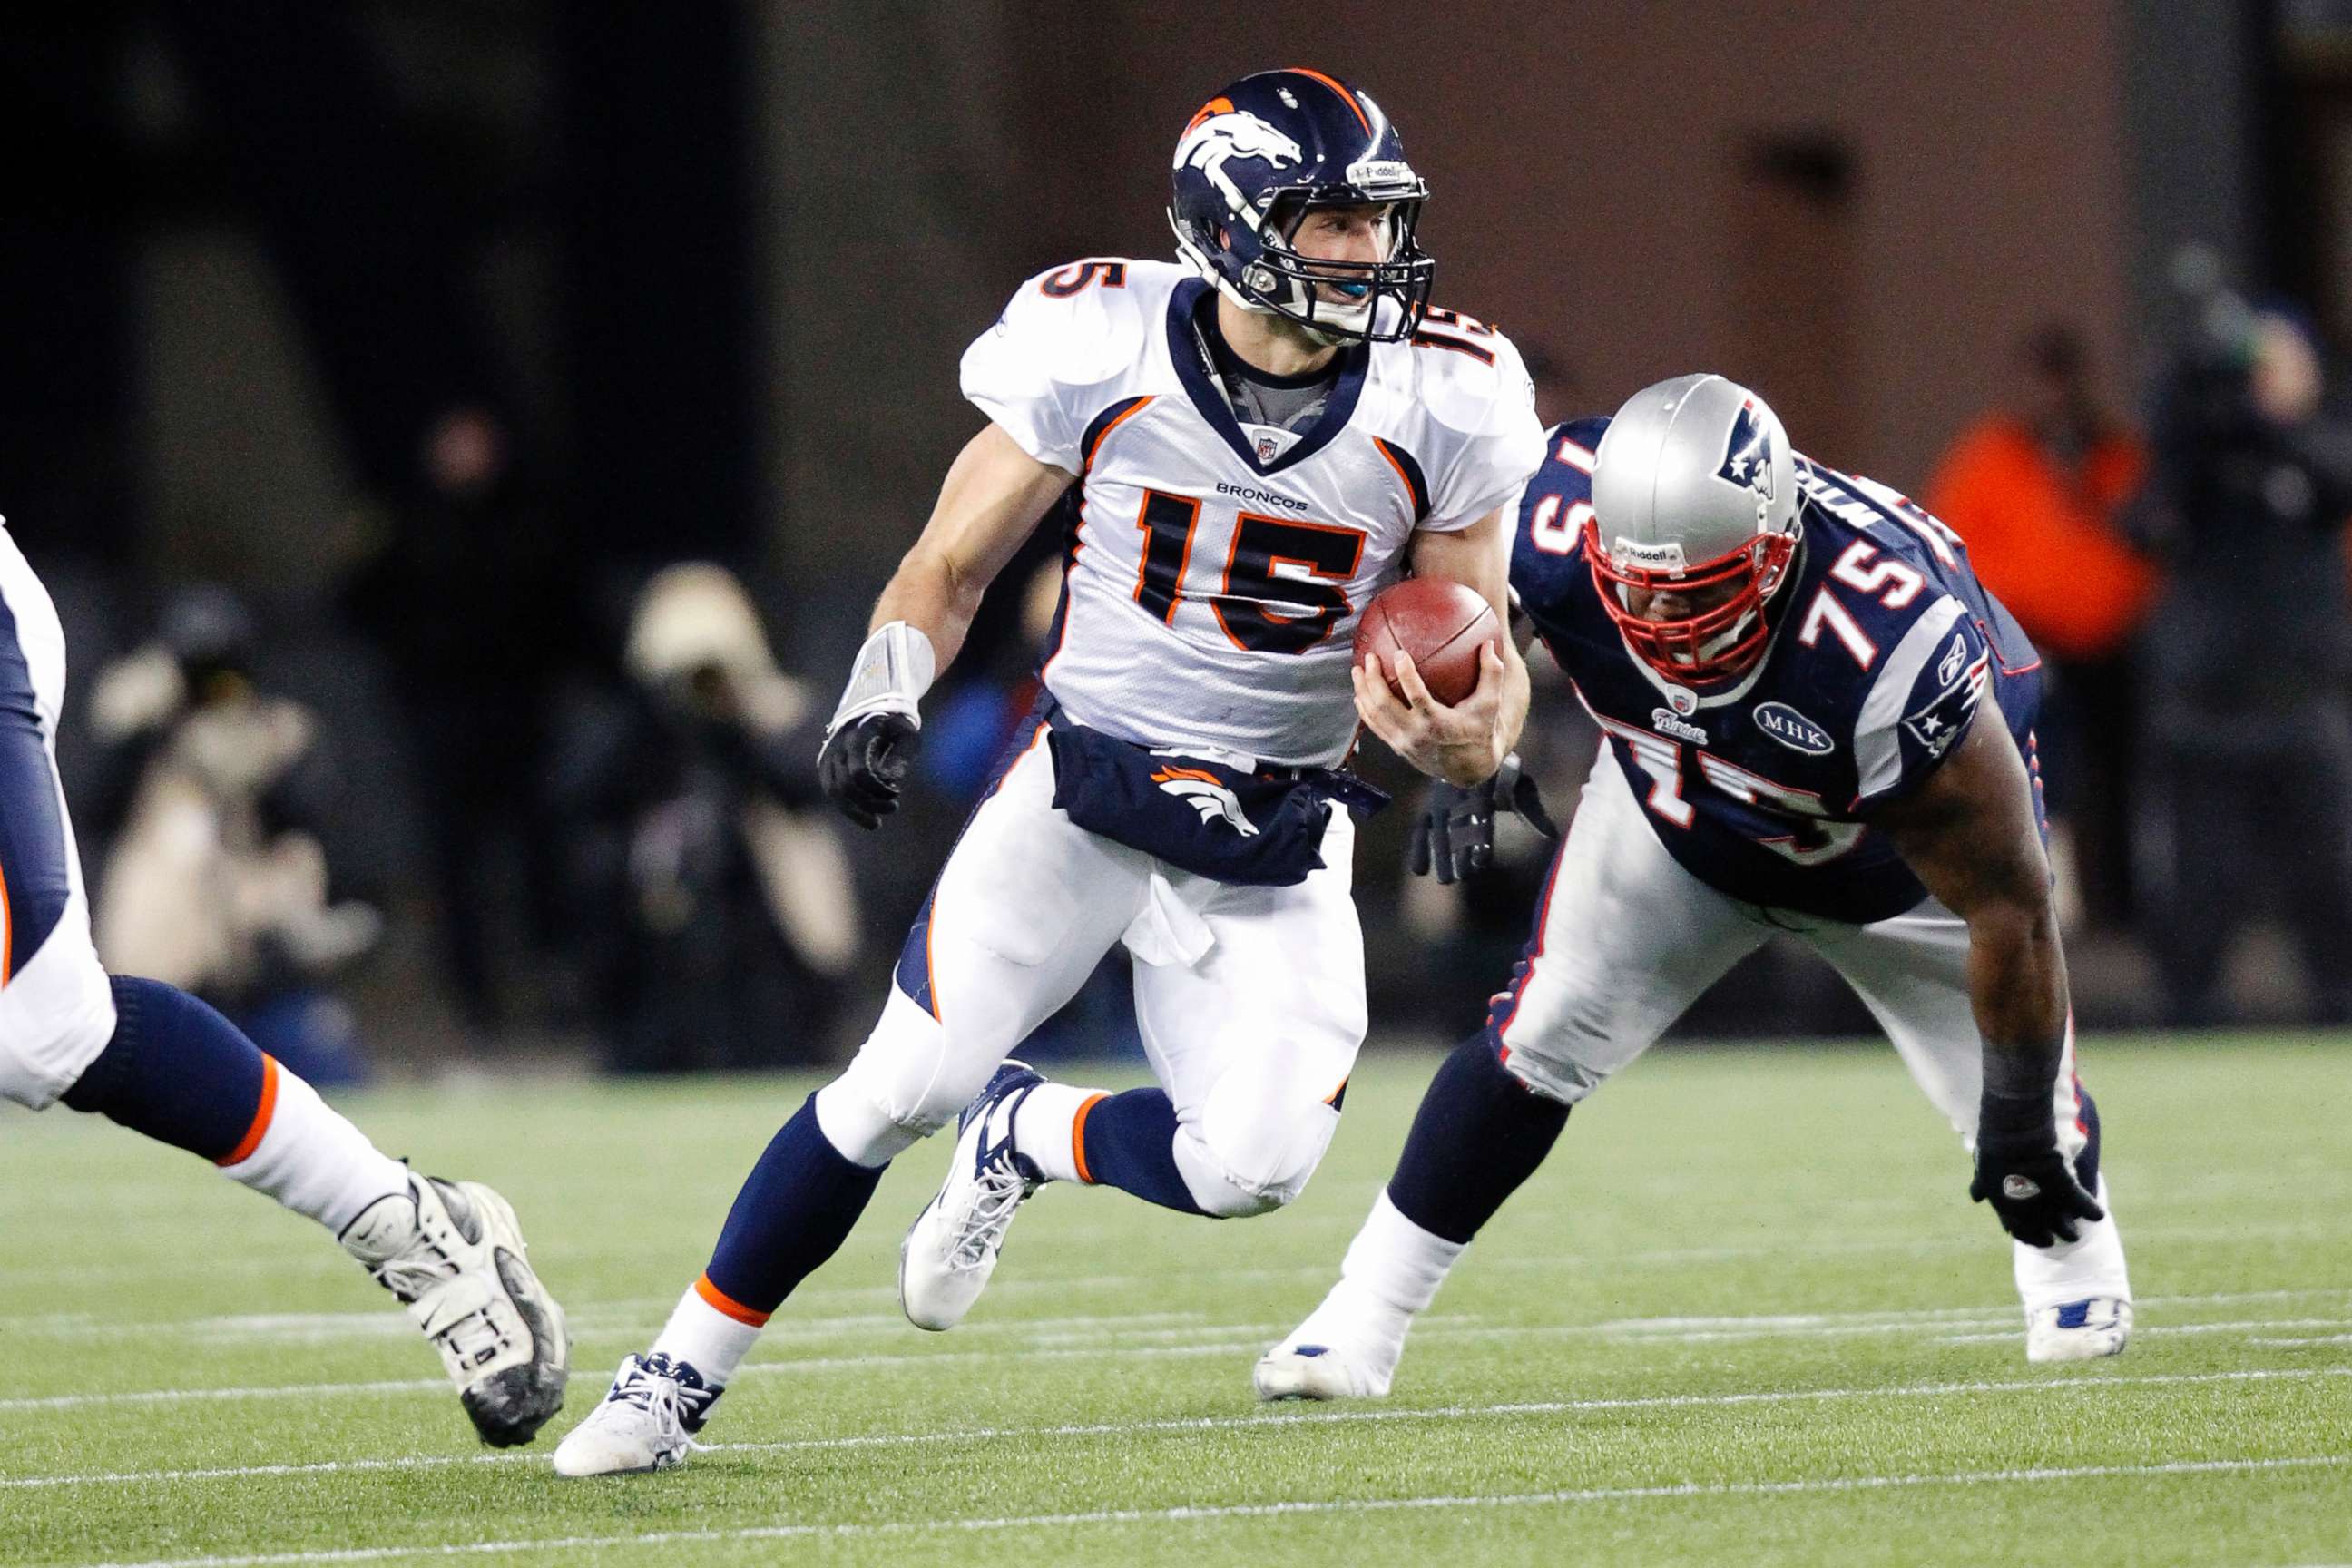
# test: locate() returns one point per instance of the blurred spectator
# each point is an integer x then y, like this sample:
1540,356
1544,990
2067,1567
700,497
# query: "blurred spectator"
711,900
217,879
2036,489
2249,734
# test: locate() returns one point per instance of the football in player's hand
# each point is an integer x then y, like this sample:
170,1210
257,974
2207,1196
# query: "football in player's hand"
1440,623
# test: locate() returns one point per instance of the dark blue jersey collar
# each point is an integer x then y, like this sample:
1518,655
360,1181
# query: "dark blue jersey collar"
1207,396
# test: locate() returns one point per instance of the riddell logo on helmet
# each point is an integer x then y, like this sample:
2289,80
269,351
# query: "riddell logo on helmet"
1663,557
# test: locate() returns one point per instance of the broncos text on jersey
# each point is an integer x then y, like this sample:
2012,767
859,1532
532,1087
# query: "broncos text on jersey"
1883,647
1212,570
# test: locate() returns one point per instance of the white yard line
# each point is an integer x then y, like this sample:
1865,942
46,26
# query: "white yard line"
387,1318
1944,1322
2242,1326
1332,1417
1950,1324
79,1274
1199,1514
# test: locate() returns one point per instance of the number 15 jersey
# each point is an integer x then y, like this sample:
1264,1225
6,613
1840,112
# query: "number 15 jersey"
1213,570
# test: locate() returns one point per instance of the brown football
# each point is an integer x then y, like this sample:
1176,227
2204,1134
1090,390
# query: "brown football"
1442,624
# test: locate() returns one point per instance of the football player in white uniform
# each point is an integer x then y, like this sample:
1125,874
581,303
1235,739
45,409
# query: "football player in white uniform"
1243,450
150,1058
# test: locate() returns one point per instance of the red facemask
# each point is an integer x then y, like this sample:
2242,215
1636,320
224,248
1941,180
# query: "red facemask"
1684,650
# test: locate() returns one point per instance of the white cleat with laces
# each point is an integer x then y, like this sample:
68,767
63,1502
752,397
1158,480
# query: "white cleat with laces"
646,1423
952,1247
453,1254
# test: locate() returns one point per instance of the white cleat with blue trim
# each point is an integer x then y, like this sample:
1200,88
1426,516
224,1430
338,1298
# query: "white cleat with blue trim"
647,1421
2079,1331
952,1247
1347,1349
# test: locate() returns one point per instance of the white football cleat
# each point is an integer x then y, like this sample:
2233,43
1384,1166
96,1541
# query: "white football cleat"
2079,1331
647,1421
1347,1349
453,1254
952,1247
1318,1372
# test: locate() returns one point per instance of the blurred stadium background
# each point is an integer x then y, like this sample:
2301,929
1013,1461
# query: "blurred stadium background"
465,439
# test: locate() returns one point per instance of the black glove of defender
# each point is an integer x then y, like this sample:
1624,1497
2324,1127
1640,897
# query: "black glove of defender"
1455,832
2021,1173
865,763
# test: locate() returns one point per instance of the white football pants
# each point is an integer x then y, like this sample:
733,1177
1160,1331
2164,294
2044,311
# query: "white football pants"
56,1011
1630,938
1250,999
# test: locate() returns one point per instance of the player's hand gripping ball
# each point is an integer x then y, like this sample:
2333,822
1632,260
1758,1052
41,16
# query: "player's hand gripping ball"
1442,624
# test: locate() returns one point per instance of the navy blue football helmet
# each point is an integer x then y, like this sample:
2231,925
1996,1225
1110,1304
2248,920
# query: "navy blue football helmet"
1255,159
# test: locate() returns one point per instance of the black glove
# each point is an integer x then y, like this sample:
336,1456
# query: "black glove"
2021,1173
865,763
1455,830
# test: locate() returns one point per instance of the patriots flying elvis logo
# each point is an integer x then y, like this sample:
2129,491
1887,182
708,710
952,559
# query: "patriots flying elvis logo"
1747,459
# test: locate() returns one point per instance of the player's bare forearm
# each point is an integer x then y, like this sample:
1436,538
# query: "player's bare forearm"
992,500
1971,836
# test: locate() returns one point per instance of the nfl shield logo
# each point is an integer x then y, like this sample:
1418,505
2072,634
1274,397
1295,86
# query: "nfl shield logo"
1267,447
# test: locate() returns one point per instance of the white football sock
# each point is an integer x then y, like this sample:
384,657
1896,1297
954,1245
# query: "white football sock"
1044,1128
1395,1263
309,1158
706,1339
2091,1265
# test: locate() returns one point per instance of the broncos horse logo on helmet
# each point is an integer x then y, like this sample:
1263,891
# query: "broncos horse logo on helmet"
1262,155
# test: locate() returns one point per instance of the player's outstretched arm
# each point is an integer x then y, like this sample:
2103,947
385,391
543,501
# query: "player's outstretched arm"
1971,836
989,504
1465,743
992,498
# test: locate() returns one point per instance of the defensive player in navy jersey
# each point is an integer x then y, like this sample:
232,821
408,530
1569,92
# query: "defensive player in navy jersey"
1817,722
1243,448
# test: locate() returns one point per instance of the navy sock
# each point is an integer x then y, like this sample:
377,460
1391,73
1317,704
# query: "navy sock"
1129,1141
175,1070
1479,1133
795,1209
2086,1163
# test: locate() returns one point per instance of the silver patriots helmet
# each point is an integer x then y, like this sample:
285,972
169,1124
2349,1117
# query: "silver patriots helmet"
1694,503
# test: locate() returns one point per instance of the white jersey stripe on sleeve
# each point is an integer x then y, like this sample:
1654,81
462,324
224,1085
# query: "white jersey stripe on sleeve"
1877,741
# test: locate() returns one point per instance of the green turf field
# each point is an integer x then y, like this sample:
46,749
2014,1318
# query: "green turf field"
1745,1315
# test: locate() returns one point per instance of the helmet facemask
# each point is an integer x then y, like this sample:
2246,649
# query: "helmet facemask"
1297,286
1721,641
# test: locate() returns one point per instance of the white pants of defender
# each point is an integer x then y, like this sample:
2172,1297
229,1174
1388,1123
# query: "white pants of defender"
1250,999
56,1011
1630,938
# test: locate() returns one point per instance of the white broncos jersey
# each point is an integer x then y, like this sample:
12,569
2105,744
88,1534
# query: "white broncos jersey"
1214,570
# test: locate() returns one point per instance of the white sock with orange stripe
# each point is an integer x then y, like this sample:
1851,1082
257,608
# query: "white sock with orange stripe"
310,1158
1045,1128
710,1333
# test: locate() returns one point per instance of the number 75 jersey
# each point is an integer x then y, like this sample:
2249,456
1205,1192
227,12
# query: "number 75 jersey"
1213,570
1884,648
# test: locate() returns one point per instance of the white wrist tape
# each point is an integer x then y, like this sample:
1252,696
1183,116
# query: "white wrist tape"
892,672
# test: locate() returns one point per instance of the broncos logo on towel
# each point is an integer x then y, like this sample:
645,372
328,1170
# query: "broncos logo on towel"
1207,797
